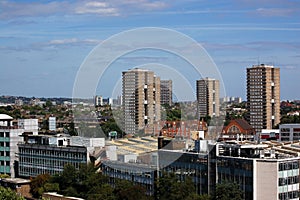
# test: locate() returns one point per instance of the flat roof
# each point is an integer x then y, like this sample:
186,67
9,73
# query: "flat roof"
16,180
5,117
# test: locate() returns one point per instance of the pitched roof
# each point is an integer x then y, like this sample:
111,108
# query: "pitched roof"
243,124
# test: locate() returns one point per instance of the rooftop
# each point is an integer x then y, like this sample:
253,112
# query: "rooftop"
263,65
16,180
265,150
134,145
5,117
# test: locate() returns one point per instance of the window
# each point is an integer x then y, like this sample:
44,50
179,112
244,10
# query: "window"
282,181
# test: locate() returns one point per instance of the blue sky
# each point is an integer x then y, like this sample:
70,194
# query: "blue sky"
43,43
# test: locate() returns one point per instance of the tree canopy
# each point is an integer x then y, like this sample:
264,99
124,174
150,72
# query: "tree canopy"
7,193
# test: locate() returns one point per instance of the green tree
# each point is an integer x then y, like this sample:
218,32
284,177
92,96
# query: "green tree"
68,178
37,185
228,191
7,193
4,176
126,190
171,188
49,104
104,192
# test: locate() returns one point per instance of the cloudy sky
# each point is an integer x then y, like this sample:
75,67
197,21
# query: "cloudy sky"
44,43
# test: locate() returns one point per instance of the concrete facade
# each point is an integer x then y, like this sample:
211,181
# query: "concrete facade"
208,97
166,92
141,99
263,96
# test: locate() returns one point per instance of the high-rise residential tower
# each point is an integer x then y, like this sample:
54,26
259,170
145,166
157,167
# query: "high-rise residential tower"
141,99
166,92
263,96
208,97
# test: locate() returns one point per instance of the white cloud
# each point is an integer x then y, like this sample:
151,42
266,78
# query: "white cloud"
94,7
72,41
11,10
274,12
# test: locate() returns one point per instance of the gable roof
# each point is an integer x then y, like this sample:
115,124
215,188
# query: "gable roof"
243,124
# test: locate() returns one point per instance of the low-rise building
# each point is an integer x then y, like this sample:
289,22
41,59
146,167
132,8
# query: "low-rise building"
269,134
41,154
238,129
267,170
289,132
20,186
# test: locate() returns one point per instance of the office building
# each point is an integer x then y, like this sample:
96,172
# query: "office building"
208,100
263,96
43,154
9,138
166,92
289,132
266,170
141,99
269,170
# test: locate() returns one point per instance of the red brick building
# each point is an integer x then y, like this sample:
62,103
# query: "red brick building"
238,129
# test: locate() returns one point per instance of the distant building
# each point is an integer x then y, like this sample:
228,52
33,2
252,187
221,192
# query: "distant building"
141,99
263,96
268,134
166,92
41,154
108,101
19,102
98,101
52,123
289,132
9,138
208,92
117,101
29,125
238,129
231,100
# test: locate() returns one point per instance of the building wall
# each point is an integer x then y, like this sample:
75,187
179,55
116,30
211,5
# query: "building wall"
139,174
208,97
237,170
141,99
41,159
288,179
289,132
263,96
166,92
266,183
9,139
29,125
